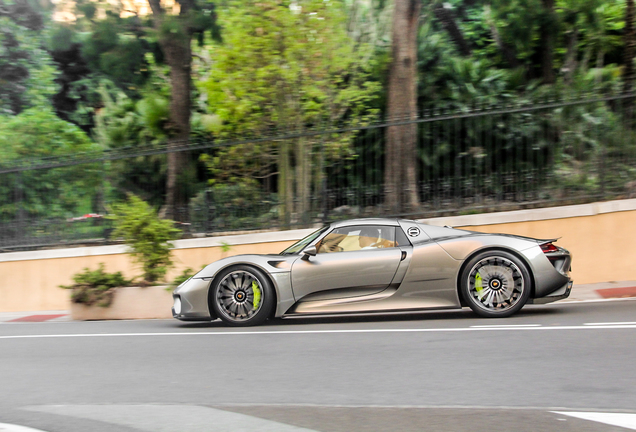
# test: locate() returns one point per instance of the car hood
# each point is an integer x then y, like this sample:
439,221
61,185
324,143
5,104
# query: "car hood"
268,263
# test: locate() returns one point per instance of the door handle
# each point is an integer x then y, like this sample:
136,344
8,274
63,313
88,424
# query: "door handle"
403,256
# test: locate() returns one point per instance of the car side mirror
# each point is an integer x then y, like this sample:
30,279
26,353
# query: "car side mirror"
310,251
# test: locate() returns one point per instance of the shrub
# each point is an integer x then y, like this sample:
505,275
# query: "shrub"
96,286
146,234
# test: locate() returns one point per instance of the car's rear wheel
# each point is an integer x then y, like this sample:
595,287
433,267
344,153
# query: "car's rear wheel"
495,284
242,296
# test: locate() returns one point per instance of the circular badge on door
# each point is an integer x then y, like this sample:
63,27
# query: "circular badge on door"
413,231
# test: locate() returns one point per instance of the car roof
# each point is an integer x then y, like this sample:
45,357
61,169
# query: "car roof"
366,221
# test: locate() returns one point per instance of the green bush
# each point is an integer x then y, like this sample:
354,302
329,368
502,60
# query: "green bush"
146,234
96,286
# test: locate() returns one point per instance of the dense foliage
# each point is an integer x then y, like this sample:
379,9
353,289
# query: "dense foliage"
286,68
26,69
114,79
39,133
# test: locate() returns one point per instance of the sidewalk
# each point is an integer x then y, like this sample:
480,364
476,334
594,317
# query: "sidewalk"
587,292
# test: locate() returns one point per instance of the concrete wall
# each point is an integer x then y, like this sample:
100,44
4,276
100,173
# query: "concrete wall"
29,281
601,237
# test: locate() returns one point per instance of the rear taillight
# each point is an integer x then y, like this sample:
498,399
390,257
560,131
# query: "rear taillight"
549,247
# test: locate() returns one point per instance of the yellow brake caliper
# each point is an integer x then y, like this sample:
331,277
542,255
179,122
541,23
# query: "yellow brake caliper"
257,294
478,285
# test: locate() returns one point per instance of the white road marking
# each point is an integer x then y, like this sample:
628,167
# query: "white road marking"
406,406
6,427
610,323
296,332
627,421
170,418
508,325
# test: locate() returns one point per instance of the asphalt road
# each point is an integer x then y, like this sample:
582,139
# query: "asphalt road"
444,371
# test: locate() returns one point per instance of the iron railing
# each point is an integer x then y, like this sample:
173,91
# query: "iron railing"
469,159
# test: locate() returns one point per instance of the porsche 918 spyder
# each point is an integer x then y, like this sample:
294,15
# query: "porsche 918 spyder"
379,265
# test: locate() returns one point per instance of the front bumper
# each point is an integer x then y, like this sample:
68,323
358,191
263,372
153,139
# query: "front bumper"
188,316
193,298
560,294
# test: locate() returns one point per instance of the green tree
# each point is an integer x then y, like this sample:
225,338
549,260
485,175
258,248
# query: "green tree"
44,193
126,123
75,100
103,47
630,47
127,49
594,29
286,66
26,71
174,33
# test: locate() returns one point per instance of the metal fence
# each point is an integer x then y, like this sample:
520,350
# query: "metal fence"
469,159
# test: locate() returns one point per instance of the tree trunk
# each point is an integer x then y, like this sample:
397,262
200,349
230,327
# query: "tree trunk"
548,32
318,180
400,178
180,61
303,177
285,184
178,55
447,18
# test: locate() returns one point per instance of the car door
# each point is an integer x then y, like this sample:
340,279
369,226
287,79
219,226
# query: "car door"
350,261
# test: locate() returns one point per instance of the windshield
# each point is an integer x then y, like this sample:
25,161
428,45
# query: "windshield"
300,245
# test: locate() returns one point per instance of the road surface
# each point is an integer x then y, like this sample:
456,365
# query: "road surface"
558,367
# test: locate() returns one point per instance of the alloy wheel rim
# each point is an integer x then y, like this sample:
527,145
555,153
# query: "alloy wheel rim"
240,295
495,284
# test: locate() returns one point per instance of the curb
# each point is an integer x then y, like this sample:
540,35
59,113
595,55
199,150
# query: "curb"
580,293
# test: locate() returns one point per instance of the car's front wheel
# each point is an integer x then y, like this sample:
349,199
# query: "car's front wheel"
242,296
495,284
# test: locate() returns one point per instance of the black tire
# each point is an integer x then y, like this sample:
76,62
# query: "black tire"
495,284
234,298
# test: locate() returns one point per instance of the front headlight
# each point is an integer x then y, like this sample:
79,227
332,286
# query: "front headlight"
177,306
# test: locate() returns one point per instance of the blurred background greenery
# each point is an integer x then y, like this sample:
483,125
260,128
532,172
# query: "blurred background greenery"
230,114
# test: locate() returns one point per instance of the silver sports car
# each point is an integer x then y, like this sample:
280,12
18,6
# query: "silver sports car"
379,265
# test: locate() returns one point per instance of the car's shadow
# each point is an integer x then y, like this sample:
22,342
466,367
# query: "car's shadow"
455,314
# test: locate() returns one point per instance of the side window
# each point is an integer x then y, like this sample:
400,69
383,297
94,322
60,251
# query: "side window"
401,238
355,238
